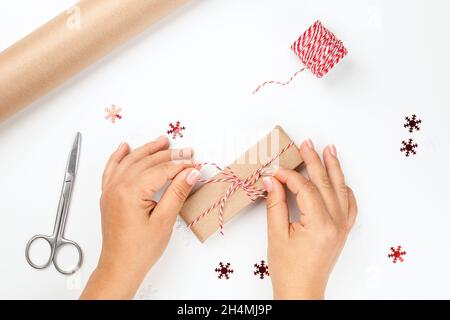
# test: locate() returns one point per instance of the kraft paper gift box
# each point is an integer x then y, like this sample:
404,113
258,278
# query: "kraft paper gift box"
253,159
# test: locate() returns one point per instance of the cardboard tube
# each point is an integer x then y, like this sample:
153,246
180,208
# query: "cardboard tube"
69,43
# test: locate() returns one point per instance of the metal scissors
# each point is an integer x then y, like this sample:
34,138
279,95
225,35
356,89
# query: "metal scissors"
56,240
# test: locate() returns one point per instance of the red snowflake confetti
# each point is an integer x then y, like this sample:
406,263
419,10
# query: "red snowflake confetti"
224,270
113,113
408,147
176,130
412,123
396,254
261,269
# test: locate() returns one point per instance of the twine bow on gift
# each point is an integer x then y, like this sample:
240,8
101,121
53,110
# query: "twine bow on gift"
247,185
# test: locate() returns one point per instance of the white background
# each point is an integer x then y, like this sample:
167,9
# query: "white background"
200,66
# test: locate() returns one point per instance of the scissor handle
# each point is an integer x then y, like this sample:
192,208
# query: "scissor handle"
64,242
55,246
51,242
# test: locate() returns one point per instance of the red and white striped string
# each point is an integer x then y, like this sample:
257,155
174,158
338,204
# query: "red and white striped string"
247,184
318,49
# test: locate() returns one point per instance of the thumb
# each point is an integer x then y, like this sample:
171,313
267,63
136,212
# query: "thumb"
277,208
176,194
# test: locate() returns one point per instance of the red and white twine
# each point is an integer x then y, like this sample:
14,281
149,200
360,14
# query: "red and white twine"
247,185
318,49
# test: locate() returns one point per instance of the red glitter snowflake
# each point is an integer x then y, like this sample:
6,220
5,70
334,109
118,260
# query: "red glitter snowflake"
396,254
261,269
113,113
412,123
176,130
408,147
224,270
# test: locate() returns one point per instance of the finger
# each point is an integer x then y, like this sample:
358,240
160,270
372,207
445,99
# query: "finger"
150,206
277,209
308,197
318,175
113,162
352,208
153,179
165,156
162,143
336,176
174,197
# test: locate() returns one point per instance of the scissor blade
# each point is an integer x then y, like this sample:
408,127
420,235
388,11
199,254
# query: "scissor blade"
72,163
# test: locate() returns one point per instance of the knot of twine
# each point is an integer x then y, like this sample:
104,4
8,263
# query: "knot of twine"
318,49
247,185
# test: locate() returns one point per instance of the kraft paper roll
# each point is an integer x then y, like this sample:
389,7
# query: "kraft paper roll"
69,43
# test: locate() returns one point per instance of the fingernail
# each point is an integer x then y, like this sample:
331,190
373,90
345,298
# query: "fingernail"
333,151
193,177
182,154
164,139
270,171
120,145
310,144
268,184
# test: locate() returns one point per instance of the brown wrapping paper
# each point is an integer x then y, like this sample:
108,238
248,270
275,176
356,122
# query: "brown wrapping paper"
249,162
69,43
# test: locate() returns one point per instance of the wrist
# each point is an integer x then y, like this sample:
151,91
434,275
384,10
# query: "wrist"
300,292
108,283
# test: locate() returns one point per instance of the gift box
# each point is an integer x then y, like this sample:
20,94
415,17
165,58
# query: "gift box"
222,197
